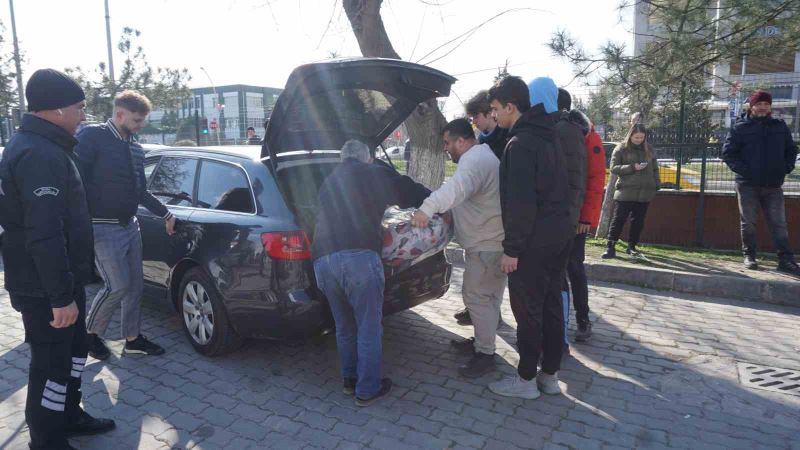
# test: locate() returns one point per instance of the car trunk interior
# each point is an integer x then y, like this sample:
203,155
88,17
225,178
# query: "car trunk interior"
300,182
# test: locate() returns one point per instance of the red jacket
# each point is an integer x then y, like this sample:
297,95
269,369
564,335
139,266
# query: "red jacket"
595,179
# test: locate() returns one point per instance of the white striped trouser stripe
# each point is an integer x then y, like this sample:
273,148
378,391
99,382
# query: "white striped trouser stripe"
54,396
59,388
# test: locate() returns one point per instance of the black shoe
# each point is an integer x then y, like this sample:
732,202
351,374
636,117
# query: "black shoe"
462,317
631,250
142,346
349,386
611,250
386,387
584,332
788,266
479,364
465,346
97,348
84,424
751,264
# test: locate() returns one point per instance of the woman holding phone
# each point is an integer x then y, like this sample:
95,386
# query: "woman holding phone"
635,164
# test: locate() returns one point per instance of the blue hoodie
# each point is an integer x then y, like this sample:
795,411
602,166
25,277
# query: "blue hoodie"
544,90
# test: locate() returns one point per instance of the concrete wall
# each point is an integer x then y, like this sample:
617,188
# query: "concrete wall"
672,217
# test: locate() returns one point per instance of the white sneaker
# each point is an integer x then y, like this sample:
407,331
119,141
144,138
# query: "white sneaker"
514,386
548,383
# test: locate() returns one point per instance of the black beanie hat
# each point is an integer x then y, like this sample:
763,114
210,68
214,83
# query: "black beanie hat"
49,89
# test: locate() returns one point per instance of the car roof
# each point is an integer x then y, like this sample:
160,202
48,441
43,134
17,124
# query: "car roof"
250,152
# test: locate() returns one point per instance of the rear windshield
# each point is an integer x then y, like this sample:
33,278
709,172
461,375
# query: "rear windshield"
359,110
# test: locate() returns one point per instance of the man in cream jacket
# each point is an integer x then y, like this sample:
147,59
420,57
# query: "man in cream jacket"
474,197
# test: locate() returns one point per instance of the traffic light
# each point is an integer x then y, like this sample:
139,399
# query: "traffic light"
204,126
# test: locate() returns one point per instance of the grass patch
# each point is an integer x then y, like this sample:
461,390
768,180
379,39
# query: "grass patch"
596,247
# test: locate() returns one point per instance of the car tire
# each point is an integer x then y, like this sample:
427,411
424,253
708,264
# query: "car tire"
203,315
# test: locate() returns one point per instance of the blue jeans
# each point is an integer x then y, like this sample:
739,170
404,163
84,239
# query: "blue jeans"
353,282
118,255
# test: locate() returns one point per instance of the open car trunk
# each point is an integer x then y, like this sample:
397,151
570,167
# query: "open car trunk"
327,103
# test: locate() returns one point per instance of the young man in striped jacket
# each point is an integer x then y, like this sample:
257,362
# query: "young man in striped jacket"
112,166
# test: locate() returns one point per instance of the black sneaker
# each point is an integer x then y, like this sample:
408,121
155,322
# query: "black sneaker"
142,346
349,386
751,264
584,332
479,364
463,318
83,424
386,387
633,251
97,348
788,266
465,346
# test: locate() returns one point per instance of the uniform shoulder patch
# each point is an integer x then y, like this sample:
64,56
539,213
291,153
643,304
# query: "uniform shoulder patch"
46,190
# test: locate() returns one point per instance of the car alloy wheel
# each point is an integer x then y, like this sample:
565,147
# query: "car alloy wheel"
198,315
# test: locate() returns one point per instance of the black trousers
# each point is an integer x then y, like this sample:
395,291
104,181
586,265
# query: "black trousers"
535,291
637,211
576,273
771,203
58,356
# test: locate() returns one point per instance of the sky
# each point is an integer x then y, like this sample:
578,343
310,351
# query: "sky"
259,42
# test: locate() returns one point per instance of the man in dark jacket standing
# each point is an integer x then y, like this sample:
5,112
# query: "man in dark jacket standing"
347,245
534,198
760,149
112,166
47,254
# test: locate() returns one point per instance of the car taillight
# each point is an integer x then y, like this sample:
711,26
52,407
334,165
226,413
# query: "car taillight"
287,245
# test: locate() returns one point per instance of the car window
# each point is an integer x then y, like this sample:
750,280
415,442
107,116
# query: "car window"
224,187
173,181
149,166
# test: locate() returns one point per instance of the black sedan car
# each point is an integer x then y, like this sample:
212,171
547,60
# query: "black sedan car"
239,263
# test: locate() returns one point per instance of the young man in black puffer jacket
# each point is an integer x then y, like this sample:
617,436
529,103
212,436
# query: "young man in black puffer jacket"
534,199
760,149
112,166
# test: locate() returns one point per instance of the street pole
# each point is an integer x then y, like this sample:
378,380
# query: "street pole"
108,44
216,102
20,87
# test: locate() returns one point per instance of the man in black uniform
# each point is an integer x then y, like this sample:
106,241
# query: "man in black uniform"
48,256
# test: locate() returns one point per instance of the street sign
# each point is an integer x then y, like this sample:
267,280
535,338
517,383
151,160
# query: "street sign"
213,124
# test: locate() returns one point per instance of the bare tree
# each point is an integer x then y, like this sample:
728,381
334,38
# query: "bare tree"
425,123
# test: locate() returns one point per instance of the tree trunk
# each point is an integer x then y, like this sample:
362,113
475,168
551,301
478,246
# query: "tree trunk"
608,208
424,124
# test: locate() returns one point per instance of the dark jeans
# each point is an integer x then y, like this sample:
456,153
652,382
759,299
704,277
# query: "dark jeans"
771,202
58,356
576,274
535,291
637,211
353,282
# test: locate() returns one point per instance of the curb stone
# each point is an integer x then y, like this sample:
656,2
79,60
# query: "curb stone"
764,291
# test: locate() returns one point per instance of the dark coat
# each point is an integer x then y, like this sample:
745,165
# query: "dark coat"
48,248
496,140
352,201
572,127
760,150
534,192
113,173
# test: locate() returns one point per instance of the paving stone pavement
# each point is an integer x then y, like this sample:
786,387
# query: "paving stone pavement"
658,373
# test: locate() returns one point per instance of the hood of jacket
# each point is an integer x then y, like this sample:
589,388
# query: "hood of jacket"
543,90
580,119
